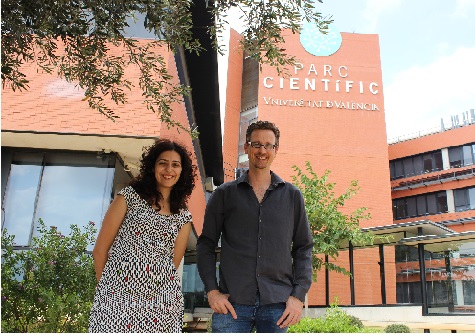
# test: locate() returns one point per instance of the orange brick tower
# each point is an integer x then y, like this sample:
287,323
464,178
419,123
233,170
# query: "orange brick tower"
330,111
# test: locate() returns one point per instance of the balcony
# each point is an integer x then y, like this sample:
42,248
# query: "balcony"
439,177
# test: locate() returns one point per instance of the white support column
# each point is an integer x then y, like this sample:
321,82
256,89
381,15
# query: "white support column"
450,200
306,306
445,158
459,292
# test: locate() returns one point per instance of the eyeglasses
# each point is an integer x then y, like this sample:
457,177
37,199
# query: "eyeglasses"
259,145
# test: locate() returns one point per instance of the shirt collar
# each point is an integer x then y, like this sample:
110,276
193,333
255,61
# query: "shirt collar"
275,179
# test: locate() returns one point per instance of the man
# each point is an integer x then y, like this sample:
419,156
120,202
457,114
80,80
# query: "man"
266,245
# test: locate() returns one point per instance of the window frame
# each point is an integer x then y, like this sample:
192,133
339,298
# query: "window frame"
415,165
419,205
111,160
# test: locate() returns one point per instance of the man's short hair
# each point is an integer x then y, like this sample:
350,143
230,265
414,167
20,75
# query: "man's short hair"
263,125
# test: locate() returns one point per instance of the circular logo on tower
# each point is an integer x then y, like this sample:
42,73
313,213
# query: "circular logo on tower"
317,43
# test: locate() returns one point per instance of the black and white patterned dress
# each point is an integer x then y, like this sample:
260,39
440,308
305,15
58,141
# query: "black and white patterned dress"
139,290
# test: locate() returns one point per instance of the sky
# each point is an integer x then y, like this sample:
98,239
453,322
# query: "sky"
427,50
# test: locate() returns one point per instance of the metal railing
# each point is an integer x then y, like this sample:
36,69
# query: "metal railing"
441,177
468,119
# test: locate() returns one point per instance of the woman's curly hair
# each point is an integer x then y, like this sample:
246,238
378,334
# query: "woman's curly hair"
145,183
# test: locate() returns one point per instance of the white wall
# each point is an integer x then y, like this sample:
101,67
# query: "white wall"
396,314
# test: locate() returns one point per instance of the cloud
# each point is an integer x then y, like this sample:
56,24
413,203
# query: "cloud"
462,8
419,97
373,11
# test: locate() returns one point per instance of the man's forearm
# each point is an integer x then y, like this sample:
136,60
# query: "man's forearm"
299,292
302,262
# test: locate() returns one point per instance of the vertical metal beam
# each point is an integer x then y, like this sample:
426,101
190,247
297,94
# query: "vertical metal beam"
450,289
203,77
35,209
382,273
352,271
422,268
327,283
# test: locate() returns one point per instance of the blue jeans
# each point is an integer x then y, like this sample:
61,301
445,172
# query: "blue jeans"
261,317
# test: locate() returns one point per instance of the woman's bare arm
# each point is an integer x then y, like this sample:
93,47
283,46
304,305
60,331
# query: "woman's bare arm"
180,244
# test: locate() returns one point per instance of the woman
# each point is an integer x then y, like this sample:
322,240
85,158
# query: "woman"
140,246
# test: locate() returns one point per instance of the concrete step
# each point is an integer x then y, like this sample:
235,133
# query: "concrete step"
202,313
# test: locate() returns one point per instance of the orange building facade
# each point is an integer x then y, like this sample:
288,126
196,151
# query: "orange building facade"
63,162
441,162
330,111
432,179
53,117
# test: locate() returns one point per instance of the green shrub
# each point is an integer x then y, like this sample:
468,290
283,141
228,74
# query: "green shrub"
338,321
209,324
49,287
356,321
397,328
335,320
372,330
307,325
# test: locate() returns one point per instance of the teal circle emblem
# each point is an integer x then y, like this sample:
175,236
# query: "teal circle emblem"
319,44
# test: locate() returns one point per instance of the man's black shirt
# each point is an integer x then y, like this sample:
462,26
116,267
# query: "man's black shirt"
265,246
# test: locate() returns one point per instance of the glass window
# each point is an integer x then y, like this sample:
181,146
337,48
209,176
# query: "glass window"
20,195
79,196
442,201
437,292
408,282
455,157
461,199
467,155
400,208
392,172
464,199
471,198
408,167
404,292
469,292
411,207
418,165
60,188
427,162
449,282
421,205
399,168
193,288
438,164
432,204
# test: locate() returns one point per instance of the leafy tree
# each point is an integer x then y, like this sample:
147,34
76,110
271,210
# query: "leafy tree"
73,37
49,287
329,225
